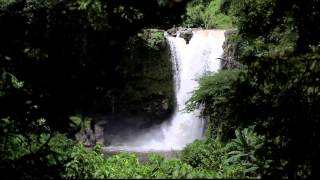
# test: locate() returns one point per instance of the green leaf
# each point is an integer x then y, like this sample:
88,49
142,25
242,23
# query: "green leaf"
251,169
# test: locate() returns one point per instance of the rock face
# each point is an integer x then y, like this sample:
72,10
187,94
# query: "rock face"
231,49
148,73
145,96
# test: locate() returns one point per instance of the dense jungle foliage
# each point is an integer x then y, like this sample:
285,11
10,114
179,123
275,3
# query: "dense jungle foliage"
207,14
277,91
59,58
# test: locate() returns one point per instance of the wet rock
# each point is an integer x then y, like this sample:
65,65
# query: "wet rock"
89,137
185,33
172,31
86,137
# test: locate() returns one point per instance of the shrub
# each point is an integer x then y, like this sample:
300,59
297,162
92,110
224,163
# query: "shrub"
212,156
215,94
243,151
236,159
204,154
176,169
92,164
84,163
150,38
32,155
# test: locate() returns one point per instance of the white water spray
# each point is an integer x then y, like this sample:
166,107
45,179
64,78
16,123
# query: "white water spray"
190,62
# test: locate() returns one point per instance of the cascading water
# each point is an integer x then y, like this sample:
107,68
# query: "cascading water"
190,62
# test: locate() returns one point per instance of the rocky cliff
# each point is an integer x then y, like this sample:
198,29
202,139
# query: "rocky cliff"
145,94
229,59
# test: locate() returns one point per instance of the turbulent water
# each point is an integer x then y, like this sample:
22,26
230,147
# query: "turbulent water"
190,61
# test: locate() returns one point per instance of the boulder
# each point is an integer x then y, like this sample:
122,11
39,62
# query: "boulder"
172,31
185,33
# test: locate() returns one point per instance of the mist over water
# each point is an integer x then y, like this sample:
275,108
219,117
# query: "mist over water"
190,62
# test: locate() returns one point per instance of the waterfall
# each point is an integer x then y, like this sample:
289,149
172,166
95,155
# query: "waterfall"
190,62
